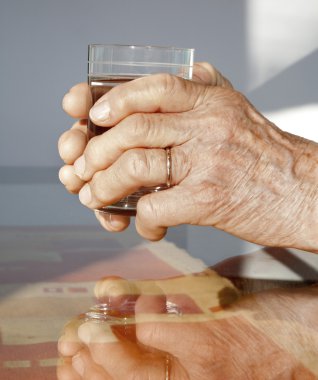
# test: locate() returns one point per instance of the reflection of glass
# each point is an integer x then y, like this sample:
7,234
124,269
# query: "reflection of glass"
121,318
122,321
111,65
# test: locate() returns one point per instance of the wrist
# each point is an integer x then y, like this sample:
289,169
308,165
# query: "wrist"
305,170
278,197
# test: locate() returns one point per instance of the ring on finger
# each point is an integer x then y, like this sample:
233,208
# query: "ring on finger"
168,163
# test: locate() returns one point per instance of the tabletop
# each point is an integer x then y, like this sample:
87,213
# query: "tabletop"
259,311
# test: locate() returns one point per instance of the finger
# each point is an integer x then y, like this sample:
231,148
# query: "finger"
85,366
70,180
136,131
65,371
205,73
108,351
134,169
160,333
112,222
163,333
69,343
77,102
155,93
72,143
115,290
157,211
170,302
115,287
151,304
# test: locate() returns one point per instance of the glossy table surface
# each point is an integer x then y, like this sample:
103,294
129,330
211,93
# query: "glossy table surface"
168,316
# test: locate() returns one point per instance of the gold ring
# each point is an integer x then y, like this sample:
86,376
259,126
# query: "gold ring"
168,367
168,153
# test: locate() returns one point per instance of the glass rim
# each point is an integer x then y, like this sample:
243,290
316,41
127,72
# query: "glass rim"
155,47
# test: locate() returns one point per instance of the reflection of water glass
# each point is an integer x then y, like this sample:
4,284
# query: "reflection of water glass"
123,324
122,317
111,65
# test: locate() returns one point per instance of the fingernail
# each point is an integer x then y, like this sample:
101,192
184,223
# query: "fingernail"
114,222
79,166
100,111
108,220
85,195
78,364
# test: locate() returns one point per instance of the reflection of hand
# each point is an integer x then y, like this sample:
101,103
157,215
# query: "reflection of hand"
271,335
195,295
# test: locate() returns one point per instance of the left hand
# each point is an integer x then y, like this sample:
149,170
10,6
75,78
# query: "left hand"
72,143
232,169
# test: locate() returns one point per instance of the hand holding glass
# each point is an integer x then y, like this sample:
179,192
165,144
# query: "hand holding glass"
111,65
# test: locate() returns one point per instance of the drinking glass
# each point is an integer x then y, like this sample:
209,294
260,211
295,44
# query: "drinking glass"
112,65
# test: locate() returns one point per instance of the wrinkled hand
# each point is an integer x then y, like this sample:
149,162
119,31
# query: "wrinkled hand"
231,168
269,335
77,103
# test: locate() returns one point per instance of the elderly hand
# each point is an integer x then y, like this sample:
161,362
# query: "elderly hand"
231,168
268,335
77,103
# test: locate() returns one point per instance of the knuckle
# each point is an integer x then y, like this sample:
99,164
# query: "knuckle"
98,187
239,98
213,74
93,152
168,82
137,164
148,210
181,164
139,125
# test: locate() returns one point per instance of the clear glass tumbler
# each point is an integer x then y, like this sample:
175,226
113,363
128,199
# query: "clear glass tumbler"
111,65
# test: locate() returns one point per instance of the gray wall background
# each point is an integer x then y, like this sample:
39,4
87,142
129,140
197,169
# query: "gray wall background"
44,53
43,48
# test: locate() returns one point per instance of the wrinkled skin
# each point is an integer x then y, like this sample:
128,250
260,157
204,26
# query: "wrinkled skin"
266,336
231,168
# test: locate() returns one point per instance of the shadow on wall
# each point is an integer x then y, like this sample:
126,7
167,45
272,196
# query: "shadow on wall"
295,86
